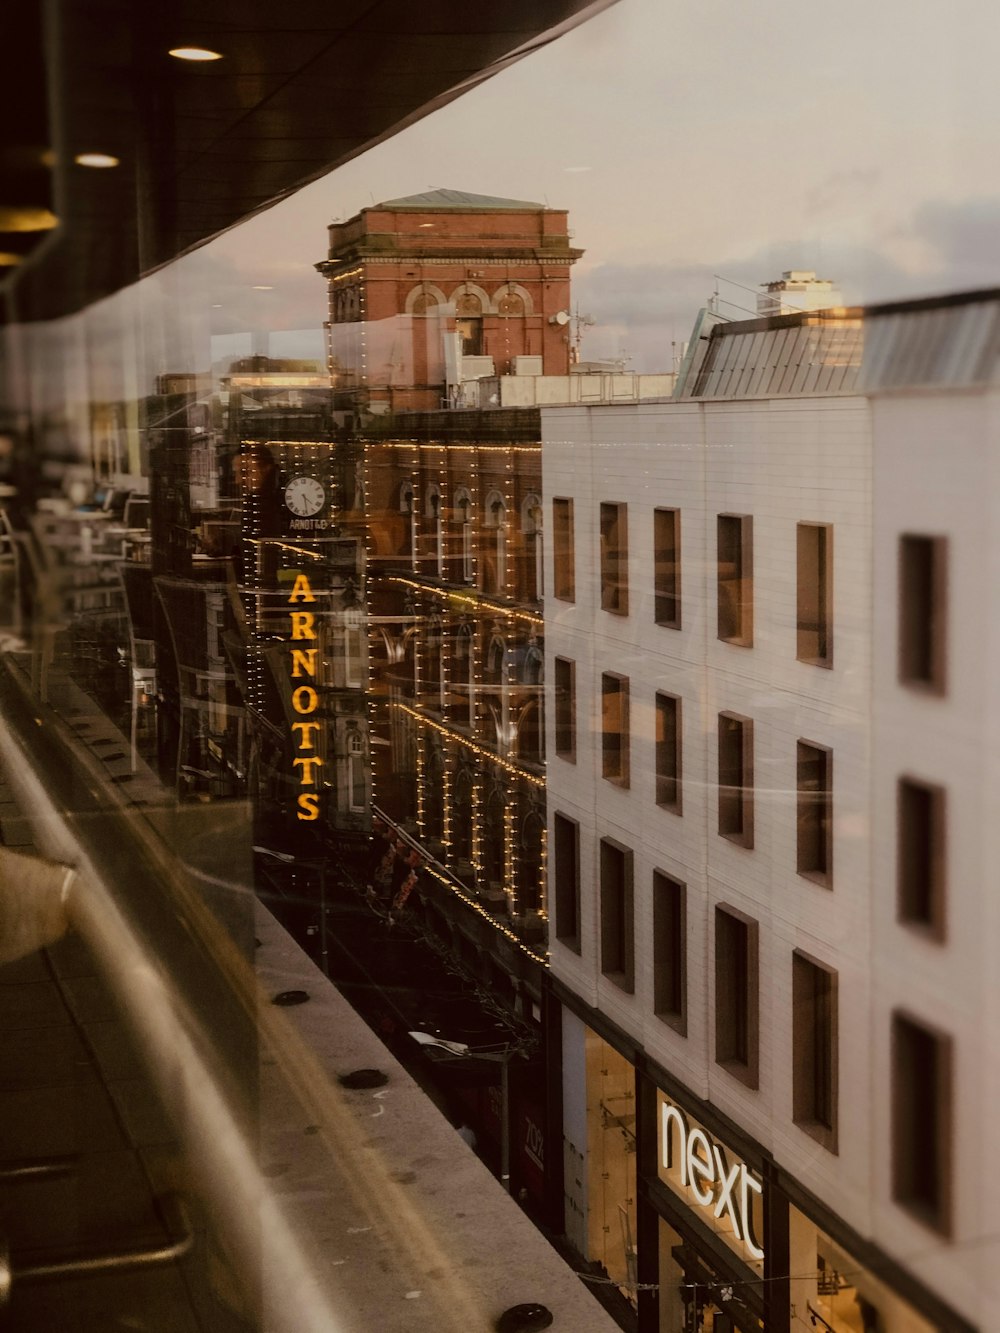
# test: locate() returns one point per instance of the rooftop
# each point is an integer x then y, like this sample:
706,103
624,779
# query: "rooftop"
487,203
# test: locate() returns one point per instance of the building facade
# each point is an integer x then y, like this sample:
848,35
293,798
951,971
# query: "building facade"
775,1042
435,289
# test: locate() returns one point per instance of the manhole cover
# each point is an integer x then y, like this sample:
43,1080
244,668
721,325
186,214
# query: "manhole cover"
529,1318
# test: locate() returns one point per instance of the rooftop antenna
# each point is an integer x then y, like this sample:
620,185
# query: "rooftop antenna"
580,322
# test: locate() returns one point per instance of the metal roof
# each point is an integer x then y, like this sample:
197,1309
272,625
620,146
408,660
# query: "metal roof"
950,341
434,199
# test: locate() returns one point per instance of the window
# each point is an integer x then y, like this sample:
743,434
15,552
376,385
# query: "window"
614,729
566,709
617,946
670,951
614,558
668,752
357,766
735,595
920,855
814,779
736,779
921,1121
736,1020
667,567
566,874
814,593
922,611
563,550
814,1049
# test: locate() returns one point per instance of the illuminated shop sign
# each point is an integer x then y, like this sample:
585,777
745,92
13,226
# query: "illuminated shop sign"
724,1190
305,699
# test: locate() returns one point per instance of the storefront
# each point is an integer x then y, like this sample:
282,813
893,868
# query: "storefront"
709,1205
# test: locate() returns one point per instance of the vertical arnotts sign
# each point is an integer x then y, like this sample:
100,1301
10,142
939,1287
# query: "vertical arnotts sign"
304,641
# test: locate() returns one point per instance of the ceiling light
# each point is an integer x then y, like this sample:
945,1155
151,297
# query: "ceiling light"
194,53
26,218
8,260
262,287
95,160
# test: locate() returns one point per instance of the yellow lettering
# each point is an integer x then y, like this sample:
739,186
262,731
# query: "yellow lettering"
307,728
305,699
304,658
301,589
308,766
303,624
308,806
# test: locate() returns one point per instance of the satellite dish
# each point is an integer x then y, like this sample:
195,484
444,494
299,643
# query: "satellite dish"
560,317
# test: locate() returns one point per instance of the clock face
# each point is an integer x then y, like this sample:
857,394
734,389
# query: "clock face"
305,496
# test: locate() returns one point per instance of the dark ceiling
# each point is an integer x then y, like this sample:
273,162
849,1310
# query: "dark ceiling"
302,88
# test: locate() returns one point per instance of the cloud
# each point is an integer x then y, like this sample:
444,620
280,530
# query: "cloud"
642,308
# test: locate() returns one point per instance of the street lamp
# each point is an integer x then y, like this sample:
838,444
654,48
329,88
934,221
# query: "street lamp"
459,1050
287,858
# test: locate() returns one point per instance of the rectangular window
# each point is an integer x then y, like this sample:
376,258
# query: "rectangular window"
566,709
814,818
566,877
614,558
920,855
615,729
563,550
922,611
668,752
736,779
670,951
735,585
736,1020
667,567
814,593
617,943
921,1122
814,1049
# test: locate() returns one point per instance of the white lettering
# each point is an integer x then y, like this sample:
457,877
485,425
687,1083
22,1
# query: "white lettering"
727,1179
746,1183
695,1162
670,1115
700,1166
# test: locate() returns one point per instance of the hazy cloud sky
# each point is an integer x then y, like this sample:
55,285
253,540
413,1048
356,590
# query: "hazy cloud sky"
689,139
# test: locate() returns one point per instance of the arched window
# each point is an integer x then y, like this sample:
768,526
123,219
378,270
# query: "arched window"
531,528
510,305
432,511
469,323
423,302
461,816
463,677
433,791
530,736
529,879
494,840
357,778
463,516
495,564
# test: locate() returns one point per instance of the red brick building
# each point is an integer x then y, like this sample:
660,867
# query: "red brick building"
437,288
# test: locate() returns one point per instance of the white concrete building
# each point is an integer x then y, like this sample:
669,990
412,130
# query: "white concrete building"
772,758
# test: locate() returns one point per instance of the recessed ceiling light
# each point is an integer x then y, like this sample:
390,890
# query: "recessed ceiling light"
95,160
262,287
194,53
26,218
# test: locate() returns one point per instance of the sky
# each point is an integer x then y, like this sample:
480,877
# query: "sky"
689,139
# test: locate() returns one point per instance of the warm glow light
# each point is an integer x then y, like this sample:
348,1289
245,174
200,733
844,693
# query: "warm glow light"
262,287
194,53
27,219
95,160
8,260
